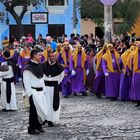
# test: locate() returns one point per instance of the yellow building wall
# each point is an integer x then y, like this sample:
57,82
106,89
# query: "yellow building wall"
87,26
136,28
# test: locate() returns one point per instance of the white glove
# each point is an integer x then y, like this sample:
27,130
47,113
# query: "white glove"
73,72
87,72
20,66
106,74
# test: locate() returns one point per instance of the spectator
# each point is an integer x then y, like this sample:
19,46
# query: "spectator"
51,42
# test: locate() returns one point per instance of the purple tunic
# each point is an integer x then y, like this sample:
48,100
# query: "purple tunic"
77,81
99,81
135,86
66,82
125,83
112,81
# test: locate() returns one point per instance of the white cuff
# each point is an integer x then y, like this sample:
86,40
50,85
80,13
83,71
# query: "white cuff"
106,74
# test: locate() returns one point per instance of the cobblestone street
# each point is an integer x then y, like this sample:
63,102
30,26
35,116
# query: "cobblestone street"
82,118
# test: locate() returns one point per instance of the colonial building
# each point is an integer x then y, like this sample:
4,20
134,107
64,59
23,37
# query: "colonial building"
57,19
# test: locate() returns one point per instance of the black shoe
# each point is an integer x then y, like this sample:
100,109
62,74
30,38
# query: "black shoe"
5,110
44,122
84,94
12,110
98,95
123,100
113,99
137,105
66,96
41,130
75,94
32,131
50,124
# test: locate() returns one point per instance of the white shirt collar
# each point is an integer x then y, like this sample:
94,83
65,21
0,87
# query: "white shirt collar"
34,61
51,63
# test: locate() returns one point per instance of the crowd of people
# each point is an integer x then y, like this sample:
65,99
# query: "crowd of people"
78,65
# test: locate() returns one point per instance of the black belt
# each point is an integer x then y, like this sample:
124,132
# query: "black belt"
38,88
8,87
51,83
56,98
8,79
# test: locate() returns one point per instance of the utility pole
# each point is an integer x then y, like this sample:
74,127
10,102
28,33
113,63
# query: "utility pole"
74,16
108,21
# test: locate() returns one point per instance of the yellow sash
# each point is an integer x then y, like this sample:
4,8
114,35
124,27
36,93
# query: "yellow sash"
124,58
83,59
64,55
108,58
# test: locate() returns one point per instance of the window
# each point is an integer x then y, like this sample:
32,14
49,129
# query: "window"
14,30
56,2
56,30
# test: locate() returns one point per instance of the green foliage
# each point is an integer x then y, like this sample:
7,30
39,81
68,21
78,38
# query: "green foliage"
92,9
128,10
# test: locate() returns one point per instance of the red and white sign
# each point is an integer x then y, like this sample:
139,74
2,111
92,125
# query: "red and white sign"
39,18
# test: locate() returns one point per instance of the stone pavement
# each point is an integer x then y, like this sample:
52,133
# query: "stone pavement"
82,118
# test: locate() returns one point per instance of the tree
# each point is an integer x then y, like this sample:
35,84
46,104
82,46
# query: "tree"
126,10
11,4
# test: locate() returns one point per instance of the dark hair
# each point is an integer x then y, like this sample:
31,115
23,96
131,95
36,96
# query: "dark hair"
40,35
91,34
72,35
6,54
33,52
86,35
77,35
138,39
65,35
133,34
133,40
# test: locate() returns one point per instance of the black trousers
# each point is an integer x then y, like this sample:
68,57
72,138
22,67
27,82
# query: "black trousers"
33,117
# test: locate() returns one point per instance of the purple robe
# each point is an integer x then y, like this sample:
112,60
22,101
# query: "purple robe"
91,75
125,83
66,82
112,81
135,86
1,58
23,62
15,56
99,81
131,95
77,81
42,59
